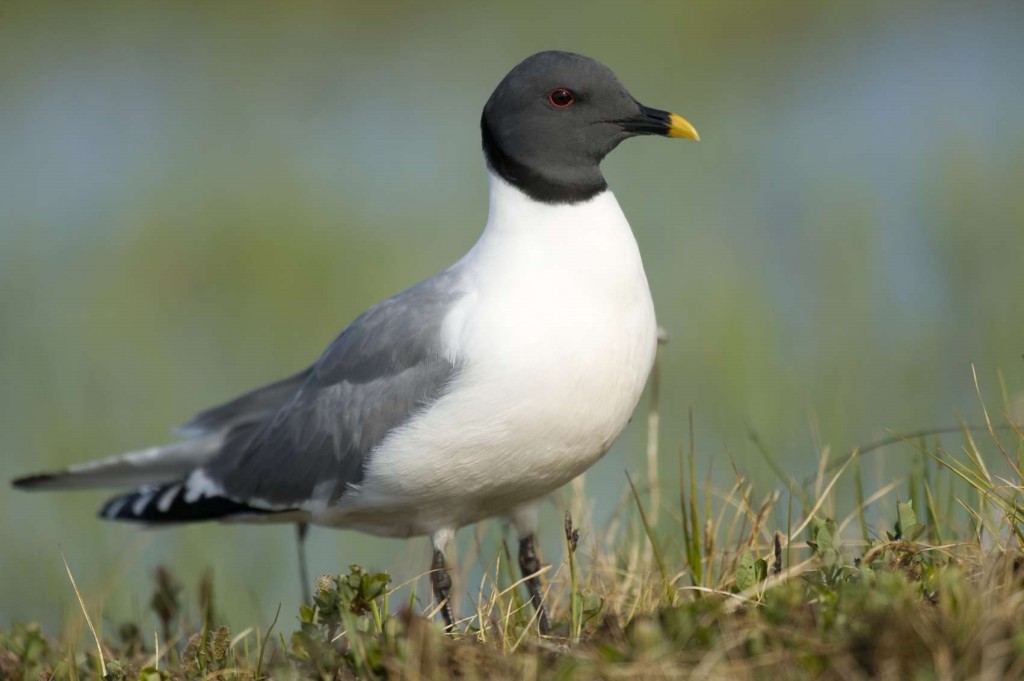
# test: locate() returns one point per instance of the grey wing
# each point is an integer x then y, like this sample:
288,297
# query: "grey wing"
204,436
251,407
387,365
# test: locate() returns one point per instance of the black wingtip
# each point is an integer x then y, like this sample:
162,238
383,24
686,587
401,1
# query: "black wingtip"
33,481
168,504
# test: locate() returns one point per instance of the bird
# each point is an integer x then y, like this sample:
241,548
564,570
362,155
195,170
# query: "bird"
473,394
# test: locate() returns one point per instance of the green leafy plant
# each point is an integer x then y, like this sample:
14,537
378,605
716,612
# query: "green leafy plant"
343,626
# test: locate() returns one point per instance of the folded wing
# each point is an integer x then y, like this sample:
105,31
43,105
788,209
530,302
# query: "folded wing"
385,367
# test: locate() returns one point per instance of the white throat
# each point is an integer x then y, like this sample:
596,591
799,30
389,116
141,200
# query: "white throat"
555,241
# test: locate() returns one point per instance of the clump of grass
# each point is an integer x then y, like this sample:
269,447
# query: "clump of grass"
725,585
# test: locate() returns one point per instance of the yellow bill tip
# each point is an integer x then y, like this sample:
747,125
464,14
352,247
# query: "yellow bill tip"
680,127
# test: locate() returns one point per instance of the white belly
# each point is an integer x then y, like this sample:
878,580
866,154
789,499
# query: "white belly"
555,340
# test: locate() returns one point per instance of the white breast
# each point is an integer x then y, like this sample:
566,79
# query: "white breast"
556,338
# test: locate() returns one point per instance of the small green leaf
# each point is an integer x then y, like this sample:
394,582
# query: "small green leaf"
824,540
746,576
374,586
906,518
592,605
152,674
907,526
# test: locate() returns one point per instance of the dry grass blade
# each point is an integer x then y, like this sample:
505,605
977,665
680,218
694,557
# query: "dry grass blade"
653,425
822,497
85,613
658,556
263,643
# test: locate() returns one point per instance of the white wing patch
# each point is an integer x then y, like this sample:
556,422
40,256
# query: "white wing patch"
167,498
142,501
200,485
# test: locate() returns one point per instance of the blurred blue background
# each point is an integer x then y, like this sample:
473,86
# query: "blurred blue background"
196,197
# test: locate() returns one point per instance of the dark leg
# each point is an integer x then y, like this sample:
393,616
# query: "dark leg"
442,582
301,530
529,564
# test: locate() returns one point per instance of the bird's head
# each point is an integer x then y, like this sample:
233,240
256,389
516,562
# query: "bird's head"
555,116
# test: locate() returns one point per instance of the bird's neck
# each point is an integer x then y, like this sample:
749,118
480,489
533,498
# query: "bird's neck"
537,239
513,212
562,185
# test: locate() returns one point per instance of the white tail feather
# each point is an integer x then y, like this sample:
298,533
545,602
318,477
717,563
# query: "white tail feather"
142,467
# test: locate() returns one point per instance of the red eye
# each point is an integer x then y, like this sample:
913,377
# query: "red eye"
561,97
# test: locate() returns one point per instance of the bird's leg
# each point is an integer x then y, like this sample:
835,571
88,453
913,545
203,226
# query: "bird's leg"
441,579
525,520
529,564
442,582
301,530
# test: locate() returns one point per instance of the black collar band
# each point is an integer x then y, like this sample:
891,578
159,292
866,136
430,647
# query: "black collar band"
528,180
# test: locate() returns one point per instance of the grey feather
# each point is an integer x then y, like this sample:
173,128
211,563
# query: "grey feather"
388,364
252,406
205,434
144,467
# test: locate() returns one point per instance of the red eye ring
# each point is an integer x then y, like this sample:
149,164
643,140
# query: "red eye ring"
561,98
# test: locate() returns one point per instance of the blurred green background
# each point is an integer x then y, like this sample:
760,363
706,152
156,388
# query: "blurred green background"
196,197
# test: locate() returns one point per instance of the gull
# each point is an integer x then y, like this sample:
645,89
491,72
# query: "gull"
473,394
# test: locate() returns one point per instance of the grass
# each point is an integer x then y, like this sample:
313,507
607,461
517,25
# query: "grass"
686,582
